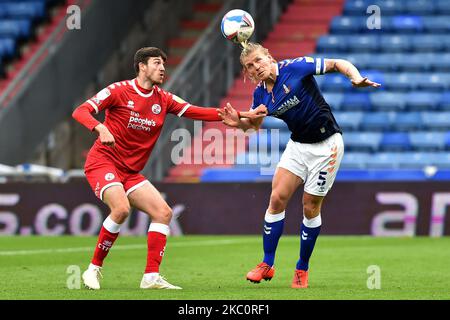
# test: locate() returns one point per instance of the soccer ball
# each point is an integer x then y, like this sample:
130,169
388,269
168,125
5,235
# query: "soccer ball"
237,25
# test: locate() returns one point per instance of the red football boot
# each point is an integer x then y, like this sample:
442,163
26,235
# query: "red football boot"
300,279
262,271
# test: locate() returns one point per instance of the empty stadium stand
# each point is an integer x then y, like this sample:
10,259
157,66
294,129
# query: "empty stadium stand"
24,25
396,132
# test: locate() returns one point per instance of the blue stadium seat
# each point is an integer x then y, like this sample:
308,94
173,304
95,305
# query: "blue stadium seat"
442,174
360,60
258,141
435,81
362,141
247,160
256,159
386,61
356,102
10,28
395,141
331,44
359,7
445,41
27,10
415,160
444,101
422,101
442,6
347,25
427,43
436,120
334,99
389,7
268,140
395,43
407,121
407,24
439,62
284,137
416,62
355,7
377,121
7,48
447,140
401,81
384,160
420,7
387,101
15,28
348,120
319,80
355,160
381,175
440,159
231,175
336,82
436,24
373,75
363,43
427,141
274,123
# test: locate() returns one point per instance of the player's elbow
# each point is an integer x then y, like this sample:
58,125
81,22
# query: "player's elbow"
75,114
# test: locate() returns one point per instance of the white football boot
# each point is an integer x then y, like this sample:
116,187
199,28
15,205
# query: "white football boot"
156,282
91,277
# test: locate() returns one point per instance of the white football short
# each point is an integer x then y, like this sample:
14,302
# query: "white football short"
316,163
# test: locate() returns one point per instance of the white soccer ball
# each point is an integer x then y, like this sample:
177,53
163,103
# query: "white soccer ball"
237,25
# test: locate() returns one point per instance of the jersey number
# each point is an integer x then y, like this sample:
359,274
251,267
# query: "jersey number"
322,178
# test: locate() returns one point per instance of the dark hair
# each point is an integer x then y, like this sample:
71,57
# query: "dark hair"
143,54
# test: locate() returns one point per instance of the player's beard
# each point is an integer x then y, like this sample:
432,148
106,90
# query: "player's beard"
158,80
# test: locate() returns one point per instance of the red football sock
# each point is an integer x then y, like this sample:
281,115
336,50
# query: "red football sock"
156,243
104,243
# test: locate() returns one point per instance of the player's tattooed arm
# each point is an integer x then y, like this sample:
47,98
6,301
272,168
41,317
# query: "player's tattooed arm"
350,71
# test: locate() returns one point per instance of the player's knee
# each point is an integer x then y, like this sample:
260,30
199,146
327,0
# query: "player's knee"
311,208
121,212
164,215
277,202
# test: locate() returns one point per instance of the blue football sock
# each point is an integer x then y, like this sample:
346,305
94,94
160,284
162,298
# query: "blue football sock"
273,228
309,232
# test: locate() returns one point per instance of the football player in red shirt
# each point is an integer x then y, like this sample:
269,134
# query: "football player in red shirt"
134,116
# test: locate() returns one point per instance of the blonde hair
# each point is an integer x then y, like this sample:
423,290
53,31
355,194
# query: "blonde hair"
247,49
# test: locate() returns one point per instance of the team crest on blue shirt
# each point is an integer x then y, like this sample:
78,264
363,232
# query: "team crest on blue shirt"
286,89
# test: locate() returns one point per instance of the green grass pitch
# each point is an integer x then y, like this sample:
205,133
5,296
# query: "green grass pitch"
214,268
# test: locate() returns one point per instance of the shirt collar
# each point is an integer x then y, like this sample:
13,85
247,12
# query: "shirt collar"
277,72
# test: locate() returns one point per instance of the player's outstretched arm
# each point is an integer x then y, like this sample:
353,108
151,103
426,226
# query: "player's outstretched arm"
244,120
350,71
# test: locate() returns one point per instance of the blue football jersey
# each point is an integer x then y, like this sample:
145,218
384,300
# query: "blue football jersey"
296,99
